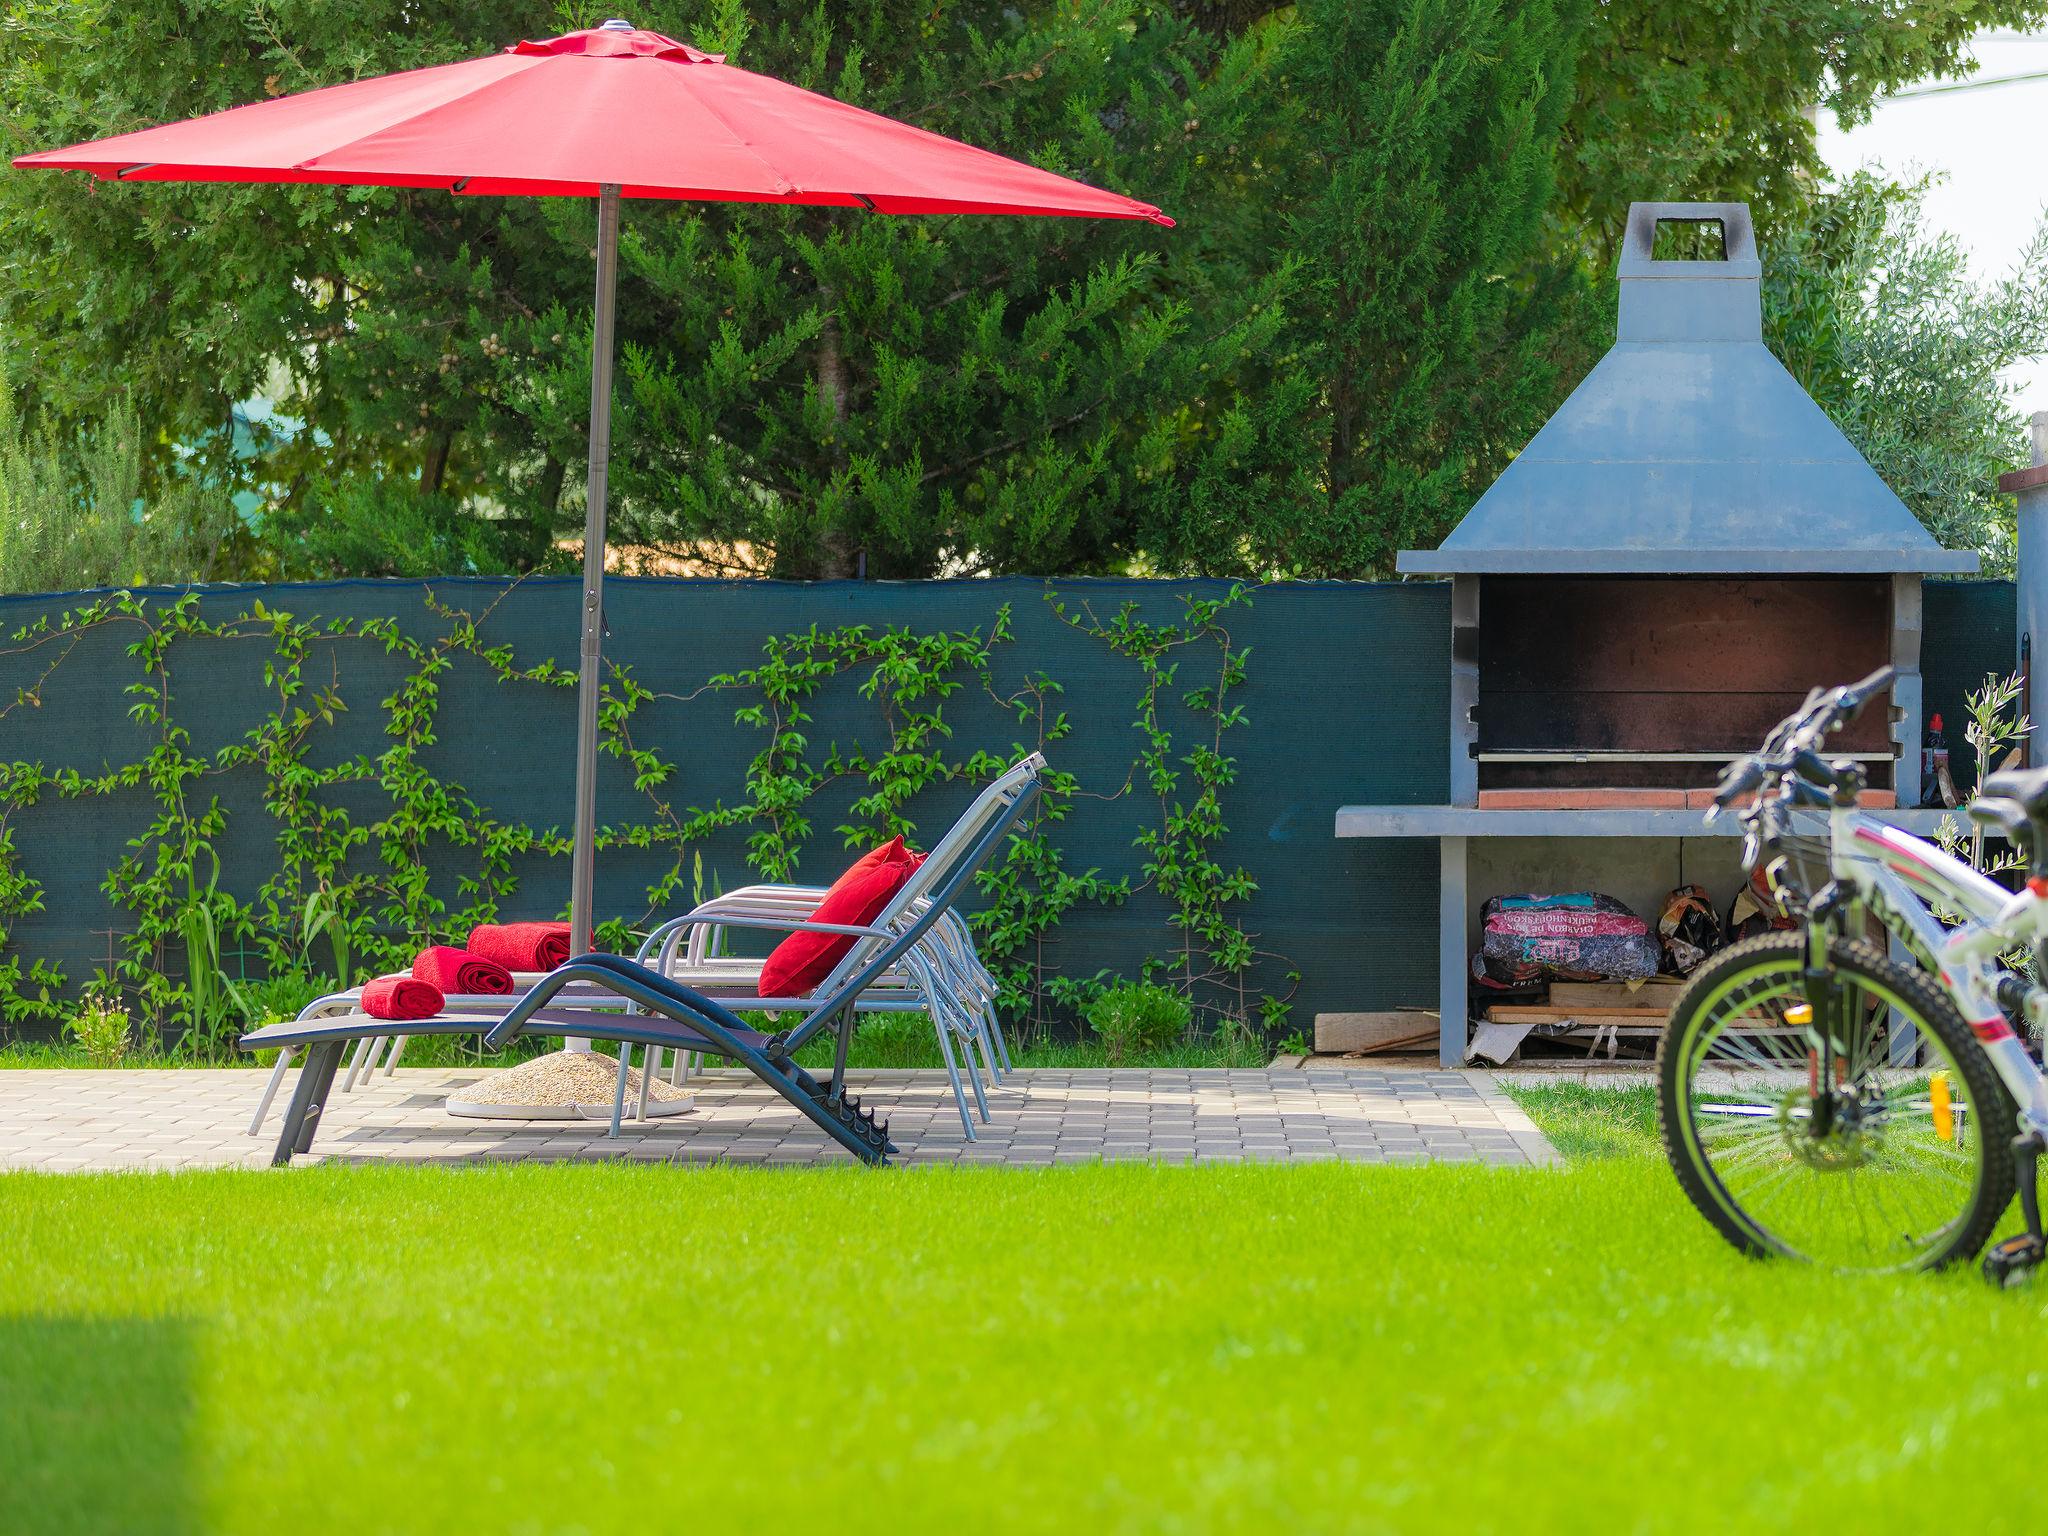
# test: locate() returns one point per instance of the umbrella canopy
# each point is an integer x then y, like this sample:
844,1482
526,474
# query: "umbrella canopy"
609,113
570,116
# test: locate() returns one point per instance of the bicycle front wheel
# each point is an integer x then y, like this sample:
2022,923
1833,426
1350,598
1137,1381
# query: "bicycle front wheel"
1799,1136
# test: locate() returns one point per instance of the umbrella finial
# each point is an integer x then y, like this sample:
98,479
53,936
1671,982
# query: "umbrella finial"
616,25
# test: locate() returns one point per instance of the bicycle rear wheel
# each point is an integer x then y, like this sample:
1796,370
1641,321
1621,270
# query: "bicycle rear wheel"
1849,1162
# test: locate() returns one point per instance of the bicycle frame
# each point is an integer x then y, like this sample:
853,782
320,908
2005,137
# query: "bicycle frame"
1902,881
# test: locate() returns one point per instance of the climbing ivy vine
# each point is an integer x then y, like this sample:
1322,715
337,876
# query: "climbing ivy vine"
350,892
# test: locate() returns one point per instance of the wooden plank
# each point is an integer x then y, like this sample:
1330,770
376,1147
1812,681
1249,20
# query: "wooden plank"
1423,1042
1504,1014
1567,799
1338,1032
1614,994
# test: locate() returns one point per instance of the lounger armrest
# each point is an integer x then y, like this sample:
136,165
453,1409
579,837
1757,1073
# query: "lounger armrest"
717,916
767,903
781,924
705,915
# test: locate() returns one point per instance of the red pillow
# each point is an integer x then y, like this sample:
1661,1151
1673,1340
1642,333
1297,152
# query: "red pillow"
802,960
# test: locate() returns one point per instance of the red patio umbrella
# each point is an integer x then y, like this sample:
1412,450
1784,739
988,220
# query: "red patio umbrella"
610,113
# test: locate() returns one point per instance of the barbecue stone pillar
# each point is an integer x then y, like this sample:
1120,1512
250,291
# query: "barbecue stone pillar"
1909,715
1464,689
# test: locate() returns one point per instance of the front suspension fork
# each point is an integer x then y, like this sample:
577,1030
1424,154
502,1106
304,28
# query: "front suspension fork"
2026,1157
1827,1023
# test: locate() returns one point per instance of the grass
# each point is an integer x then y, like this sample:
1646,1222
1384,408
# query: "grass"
882,1041
1591,1124
551,1349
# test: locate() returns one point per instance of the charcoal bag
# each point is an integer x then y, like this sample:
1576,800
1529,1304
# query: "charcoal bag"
1574,936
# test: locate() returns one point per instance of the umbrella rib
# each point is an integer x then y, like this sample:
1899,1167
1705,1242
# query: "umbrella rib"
525,62
718,117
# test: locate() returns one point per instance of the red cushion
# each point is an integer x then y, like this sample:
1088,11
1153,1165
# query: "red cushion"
803,960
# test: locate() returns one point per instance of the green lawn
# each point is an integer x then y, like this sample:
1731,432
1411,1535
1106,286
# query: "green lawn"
1121,1348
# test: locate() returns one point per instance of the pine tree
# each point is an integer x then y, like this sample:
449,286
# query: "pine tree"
806,391
1434,126
824,394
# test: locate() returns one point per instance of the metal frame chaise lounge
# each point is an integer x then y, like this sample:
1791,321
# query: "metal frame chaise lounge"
608,997
944,979
941,977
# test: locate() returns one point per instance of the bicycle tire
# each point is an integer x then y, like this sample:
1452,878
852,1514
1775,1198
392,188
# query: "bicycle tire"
1683,1041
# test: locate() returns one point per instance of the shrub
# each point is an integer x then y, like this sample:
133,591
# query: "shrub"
280,997
1134,1017
100,1029
75,512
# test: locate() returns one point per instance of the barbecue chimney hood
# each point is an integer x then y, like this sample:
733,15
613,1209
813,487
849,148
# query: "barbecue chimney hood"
1689,450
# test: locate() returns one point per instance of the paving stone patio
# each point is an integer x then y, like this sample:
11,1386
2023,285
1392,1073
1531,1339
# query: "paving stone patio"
81,1120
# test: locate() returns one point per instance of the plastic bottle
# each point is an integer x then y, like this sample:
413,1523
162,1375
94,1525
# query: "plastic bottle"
1933,758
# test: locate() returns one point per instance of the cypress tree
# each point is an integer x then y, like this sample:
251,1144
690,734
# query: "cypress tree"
1434,126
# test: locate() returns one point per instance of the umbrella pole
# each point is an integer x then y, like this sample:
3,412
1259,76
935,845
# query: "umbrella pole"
583,862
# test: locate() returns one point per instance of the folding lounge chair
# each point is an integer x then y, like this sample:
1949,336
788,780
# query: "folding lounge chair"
930,980
946,976
959,995
922,979
670,1016
970,991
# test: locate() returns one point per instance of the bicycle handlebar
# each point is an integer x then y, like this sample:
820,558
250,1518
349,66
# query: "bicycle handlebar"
1793,745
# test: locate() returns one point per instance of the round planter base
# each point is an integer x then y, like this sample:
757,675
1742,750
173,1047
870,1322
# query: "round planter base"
564,1085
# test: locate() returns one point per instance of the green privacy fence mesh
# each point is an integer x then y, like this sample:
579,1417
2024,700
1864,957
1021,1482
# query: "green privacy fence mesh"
201,791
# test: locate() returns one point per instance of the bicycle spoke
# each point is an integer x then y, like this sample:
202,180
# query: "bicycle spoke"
1822,1148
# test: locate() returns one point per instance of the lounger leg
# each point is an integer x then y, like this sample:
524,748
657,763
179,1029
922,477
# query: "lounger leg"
365,1050
309,1097
284,1061
846,1023
953,1076
323,1095
974,1076
650,1063
995,1026
988,1054
397,1046
977,1038
619,1086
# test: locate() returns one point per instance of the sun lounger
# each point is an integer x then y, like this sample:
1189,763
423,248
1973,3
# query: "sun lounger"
609,997
951,984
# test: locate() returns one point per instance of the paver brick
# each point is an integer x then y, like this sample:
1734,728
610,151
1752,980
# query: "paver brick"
61,1120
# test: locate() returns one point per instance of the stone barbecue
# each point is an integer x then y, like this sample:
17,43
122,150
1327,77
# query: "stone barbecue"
1686,547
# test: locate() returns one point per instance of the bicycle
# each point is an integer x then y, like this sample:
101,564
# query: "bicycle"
1821,1100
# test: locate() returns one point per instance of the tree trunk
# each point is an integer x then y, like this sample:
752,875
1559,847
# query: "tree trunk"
1341,469
552,472
436,464
839,551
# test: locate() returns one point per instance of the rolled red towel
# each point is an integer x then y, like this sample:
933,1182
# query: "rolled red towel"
457,970
521,946
401,997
